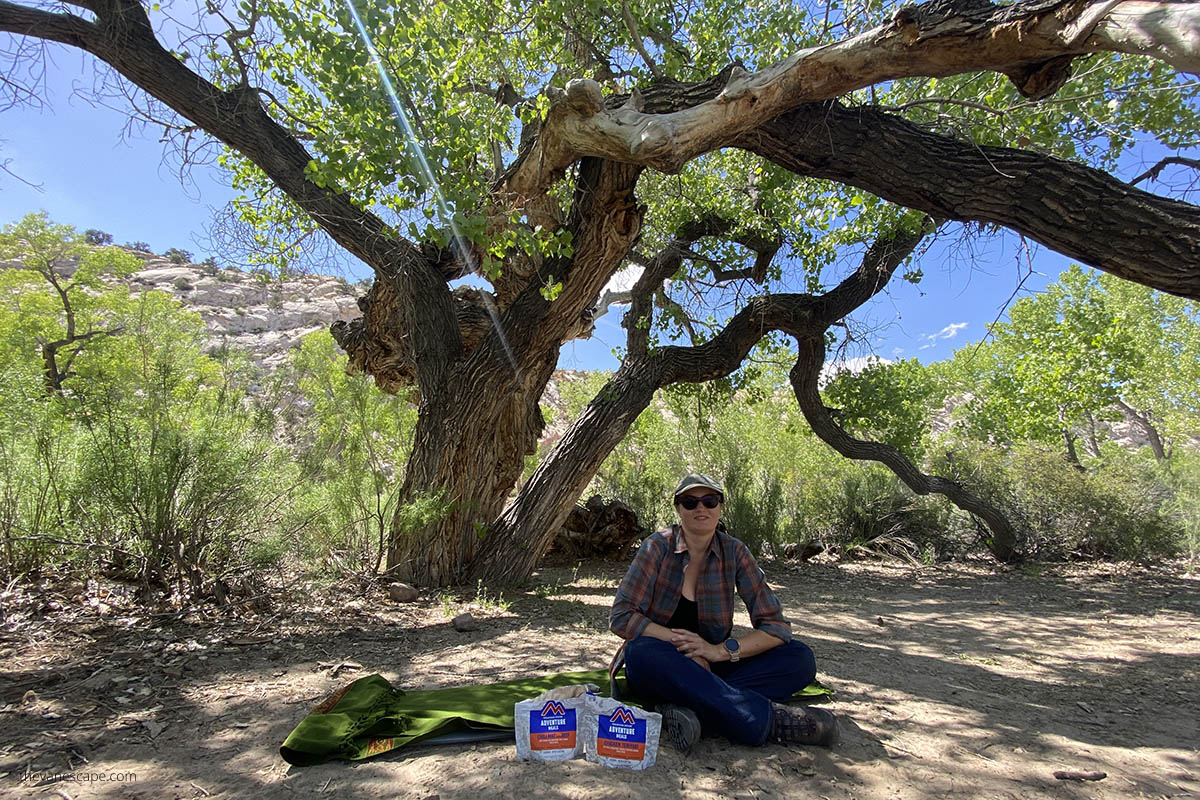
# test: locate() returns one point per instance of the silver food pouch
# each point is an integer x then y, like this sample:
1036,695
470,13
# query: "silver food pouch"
617,735
549,730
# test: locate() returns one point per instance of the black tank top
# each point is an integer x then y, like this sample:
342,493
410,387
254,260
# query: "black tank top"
686,616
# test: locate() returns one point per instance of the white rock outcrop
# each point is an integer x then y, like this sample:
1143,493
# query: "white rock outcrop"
266,318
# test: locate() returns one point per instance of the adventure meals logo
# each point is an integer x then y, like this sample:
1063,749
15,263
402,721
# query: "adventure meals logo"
622,716
552,728
621,735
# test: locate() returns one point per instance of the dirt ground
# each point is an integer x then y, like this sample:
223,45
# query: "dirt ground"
952,681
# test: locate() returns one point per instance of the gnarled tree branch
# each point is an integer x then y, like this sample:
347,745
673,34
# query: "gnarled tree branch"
1078,211
1032,42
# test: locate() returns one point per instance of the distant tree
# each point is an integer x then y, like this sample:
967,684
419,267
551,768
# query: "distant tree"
141,247
1087,349
77,313
95,237
1161,388
178,256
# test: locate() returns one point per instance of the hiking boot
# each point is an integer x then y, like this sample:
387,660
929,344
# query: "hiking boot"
803,725
682,727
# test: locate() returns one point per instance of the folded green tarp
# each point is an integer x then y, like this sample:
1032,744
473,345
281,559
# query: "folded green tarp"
370,716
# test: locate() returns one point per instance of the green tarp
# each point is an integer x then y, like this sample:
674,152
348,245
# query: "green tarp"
370,716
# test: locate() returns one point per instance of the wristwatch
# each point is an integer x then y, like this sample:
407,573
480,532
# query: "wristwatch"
734,649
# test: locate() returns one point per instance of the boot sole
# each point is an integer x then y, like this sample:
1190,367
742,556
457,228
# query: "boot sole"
682,726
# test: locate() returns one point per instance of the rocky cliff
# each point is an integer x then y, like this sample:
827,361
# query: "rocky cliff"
254,312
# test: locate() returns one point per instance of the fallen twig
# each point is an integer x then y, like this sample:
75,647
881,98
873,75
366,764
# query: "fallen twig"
1073,775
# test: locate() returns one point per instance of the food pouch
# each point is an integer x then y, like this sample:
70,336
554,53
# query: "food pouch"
617,735
549,730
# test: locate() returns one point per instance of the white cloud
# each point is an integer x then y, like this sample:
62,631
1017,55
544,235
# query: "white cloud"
951,330
948,332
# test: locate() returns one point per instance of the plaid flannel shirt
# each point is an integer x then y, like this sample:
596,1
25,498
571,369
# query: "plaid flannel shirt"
653,585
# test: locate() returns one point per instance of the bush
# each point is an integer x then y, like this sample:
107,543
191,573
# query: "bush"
864,506
755,509
141,247
209,267
1120,509
37,463
352,439
179,474
183,284
1184,480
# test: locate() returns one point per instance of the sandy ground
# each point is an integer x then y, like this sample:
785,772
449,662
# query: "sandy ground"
952,681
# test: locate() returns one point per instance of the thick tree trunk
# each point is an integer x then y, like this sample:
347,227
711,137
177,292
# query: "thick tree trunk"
468,452
521,535
474,431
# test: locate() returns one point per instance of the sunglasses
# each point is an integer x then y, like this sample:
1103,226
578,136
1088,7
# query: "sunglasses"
690,501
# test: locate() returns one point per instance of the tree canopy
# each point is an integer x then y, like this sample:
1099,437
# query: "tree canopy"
764,169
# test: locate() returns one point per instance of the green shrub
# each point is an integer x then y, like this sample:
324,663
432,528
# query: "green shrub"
182,475
1184,480
351,444
37,463
755,509
1118,509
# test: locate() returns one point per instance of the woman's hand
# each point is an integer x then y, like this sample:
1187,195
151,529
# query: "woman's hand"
695,647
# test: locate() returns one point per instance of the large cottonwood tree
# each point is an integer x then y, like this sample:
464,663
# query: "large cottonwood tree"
743,148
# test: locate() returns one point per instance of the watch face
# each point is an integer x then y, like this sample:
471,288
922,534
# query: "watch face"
732,645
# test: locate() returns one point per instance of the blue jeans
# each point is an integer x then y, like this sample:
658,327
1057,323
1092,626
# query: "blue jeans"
733,700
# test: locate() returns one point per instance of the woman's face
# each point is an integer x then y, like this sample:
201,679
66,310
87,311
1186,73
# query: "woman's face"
701,520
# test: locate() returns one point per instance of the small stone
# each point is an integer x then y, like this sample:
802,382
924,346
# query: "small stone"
464,623
402,592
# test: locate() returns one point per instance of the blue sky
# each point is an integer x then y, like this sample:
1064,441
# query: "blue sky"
91,176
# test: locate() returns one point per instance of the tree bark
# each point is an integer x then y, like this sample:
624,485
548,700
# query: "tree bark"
1075,210
1031,42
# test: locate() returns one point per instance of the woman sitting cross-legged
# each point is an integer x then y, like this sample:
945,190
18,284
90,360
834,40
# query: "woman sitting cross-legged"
674,608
